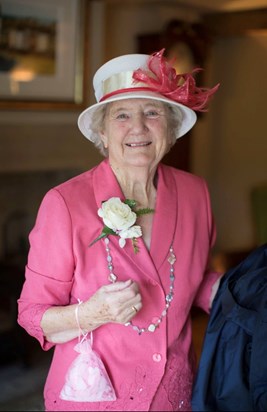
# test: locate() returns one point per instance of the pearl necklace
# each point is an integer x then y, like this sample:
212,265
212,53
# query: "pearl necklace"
168,298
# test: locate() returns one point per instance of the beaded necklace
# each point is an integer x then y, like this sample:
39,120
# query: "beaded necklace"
168,298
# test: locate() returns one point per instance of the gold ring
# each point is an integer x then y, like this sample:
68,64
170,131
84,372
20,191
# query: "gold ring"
134,309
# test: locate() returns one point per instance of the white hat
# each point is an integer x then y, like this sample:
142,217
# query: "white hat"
135,76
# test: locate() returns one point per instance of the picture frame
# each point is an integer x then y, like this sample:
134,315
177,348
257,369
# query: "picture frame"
43,54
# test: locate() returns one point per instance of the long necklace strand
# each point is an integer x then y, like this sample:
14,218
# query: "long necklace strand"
168,298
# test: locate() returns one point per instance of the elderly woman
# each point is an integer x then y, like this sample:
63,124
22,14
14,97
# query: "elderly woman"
119,254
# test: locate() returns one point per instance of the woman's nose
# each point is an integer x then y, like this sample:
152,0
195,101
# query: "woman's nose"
139,122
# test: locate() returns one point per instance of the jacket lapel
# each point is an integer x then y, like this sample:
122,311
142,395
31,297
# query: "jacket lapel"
105,183
164,221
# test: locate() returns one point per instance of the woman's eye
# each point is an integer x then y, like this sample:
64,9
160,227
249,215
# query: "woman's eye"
152,113
122,116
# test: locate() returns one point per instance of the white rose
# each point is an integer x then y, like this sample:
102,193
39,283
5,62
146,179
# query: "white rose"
116,214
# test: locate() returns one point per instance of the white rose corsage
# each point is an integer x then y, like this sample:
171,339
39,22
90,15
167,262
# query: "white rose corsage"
119,219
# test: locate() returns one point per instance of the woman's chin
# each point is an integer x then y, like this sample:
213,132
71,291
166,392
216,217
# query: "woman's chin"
140,160
139,163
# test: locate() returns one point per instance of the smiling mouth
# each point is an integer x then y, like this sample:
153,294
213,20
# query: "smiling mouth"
140,144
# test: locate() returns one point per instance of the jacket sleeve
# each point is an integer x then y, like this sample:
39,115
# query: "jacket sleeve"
51,264
211,278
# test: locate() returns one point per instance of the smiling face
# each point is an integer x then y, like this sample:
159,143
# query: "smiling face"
136,132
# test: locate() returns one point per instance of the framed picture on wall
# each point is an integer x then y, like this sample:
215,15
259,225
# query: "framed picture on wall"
42,53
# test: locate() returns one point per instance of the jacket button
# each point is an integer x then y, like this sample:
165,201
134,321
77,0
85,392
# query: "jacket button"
156,357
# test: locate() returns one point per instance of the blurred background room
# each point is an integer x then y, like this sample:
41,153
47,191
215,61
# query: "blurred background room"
49,51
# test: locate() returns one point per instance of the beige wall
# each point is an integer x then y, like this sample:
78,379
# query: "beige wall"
126,20
30,145
230,149
229,142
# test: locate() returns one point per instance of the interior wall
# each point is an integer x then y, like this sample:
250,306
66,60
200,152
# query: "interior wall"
236,145
28,145
125,20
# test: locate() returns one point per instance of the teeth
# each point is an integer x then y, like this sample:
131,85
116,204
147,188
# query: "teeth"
137,144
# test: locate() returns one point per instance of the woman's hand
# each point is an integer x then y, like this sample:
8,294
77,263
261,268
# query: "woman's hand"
118,302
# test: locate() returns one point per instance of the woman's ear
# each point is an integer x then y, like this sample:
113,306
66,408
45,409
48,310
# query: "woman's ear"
104,139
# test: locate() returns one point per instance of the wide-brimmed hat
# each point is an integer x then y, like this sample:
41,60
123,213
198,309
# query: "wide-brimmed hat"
135,76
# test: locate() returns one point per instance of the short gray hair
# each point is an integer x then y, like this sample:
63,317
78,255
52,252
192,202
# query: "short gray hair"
98,120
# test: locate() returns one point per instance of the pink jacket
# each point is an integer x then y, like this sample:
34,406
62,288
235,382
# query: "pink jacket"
62,269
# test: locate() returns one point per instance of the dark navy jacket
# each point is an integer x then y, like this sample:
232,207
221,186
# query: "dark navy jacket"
232,374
